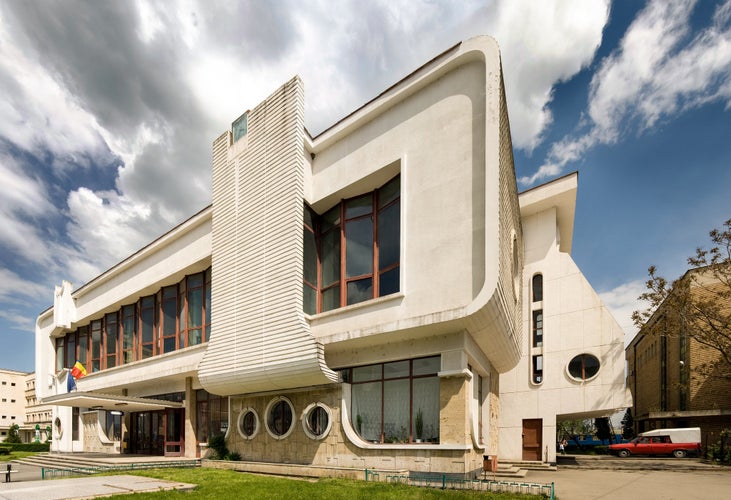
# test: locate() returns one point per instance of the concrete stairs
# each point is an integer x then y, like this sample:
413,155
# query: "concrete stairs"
88,463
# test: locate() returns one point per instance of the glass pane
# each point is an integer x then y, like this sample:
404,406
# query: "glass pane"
194,337
389,231
239,127
70,350
96,339
317,421
364,373
83,345
359,206
591,365
366,415
308,217
111,330
168,344
248,424
146,351
396,369
195,280
330,258
331,218
128,327
309,299
389,192
169,310
309,261
360,290
195,308
427,366
208,303
331,299
169,292
148,319
537,288
389,282
426,399
280,418
359,247
396,412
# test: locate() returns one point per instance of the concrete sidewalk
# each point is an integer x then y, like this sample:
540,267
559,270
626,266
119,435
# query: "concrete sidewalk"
605,484
26,485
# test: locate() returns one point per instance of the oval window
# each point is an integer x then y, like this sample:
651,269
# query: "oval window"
248,423
316,421
279,418
583,367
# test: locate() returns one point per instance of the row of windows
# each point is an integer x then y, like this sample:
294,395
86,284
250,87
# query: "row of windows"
352,252
316,420
176,317
12,384
581,367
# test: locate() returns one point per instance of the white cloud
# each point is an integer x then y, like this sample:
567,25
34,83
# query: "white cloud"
650,77
15,289
622,302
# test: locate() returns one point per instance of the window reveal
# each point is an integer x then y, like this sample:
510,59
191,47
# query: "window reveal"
352,252
388,397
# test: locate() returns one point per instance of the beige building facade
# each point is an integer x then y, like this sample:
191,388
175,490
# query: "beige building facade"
358,299
12,400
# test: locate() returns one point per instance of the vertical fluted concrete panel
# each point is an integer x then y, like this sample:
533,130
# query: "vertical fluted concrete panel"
260,340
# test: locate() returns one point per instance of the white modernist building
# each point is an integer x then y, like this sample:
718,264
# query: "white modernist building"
365,298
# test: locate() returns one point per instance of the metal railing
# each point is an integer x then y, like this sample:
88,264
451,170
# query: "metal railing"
456,482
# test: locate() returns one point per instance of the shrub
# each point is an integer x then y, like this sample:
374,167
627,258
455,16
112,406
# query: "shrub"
217,443
36,447
234,455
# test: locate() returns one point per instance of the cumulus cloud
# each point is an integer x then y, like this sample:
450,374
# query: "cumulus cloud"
657,72
622,301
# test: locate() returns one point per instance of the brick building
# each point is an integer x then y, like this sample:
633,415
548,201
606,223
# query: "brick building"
666,375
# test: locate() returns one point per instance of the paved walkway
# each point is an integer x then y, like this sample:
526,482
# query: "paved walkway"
26,484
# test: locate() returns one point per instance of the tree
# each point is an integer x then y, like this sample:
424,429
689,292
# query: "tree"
572,429
603,431
628,425
698,304
13,434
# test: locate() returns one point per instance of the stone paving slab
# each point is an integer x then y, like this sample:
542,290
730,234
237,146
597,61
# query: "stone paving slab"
78,488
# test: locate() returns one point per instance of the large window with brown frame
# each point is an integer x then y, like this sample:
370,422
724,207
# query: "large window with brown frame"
178,316
352,252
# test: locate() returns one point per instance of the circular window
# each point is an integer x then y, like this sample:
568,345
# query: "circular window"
279,417
316,421
59,429
248,425
583,367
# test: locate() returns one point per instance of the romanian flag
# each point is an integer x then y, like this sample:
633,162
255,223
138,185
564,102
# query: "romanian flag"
70,383
78,370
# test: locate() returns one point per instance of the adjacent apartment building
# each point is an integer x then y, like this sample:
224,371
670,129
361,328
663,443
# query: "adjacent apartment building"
669,384
377,296
12,400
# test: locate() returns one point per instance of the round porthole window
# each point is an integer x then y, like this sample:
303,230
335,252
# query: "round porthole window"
248,424
316,421
279,417
583,367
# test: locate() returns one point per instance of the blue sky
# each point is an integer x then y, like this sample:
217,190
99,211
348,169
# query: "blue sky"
109,110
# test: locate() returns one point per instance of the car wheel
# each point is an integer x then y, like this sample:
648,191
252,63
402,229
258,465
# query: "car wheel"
679,453
623,453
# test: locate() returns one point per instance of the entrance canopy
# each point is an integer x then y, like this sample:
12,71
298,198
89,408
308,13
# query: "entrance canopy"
97,401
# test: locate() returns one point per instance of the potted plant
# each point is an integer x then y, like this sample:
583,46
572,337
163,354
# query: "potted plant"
419,425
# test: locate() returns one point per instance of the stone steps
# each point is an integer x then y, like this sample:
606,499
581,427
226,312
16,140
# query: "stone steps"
90,463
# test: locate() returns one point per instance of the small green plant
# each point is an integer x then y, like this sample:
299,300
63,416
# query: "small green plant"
234,456
419,424
217,443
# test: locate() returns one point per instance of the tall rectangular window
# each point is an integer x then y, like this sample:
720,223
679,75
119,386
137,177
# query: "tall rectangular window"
352,252
70,349
147,326
537,369
83,345
111,331
129,333
60,353
96,345
169,315
194,304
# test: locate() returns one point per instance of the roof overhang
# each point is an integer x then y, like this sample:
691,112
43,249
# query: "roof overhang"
97,401
559,194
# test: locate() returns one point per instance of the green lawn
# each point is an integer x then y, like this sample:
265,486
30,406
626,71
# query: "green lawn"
226,484
16,454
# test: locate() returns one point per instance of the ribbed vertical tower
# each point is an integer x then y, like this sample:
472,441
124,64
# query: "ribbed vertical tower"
260,340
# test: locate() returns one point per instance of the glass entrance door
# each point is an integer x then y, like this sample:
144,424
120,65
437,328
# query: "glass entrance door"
148,432
174,435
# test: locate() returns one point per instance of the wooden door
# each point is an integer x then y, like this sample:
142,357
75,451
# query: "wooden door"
532,439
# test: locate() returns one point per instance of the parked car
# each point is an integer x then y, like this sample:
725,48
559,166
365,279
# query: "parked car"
676,442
